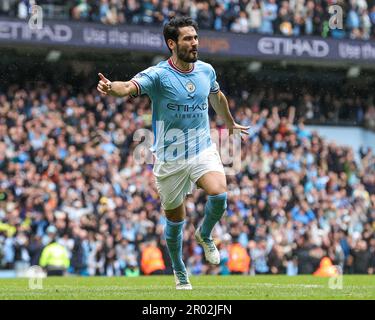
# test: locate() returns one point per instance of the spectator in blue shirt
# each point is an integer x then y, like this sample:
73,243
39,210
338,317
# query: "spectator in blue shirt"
353,20
303,213
269,16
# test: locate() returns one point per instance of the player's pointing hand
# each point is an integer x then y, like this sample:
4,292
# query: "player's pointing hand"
104,85
238,128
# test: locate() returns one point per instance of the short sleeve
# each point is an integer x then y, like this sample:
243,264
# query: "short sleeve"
146,82
214,85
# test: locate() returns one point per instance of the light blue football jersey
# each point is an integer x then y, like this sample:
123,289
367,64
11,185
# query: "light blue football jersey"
179,99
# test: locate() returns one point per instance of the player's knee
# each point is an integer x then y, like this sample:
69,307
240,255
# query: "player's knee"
175,215
217,189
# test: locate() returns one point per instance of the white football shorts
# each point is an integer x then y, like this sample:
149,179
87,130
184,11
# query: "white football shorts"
175,180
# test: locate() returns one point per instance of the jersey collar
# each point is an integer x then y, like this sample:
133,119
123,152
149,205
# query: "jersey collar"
170,61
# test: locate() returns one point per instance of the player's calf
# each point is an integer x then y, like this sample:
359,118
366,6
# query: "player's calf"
213,212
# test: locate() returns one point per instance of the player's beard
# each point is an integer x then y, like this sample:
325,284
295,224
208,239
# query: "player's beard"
186,55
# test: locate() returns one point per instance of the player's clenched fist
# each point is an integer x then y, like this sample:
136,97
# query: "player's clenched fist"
104,85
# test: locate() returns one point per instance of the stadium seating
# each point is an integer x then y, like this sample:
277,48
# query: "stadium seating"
285,17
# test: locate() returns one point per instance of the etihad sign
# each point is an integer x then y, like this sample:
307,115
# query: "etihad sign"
293,47
21,30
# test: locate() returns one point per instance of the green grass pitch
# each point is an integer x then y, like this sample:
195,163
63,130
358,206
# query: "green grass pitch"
204,287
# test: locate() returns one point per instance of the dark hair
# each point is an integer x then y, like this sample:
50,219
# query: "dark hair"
171,29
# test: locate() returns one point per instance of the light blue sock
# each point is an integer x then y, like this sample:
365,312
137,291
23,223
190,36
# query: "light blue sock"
173,235
213,212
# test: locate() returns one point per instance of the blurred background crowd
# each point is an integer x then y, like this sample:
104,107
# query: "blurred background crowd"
67,174
71,193
286,17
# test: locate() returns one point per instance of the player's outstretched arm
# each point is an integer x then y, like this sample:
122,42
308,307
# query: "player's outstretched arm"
115,88
220,104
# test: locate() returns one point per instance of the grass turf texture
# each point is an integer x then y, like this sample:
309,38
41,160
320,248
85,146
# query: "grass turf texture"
204,287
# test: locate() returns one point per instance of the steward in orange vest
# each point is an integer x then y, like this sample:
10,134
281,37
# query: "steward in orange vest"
239,259
326,269
152,259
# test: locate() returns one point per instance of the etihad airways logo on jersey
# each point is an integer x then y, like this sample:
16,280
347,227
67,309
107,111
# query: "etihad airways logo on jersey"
186,107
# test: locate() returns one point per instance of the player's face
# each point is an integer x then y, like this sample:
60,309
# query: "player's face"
187,45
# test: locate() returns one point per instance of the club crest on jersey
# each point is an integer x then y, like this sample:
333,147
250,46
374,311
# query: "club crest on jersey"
190,87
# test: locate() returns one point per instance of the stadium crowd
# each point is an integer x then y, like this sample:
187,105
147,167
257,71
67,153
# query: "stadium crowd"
287,17
67,173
